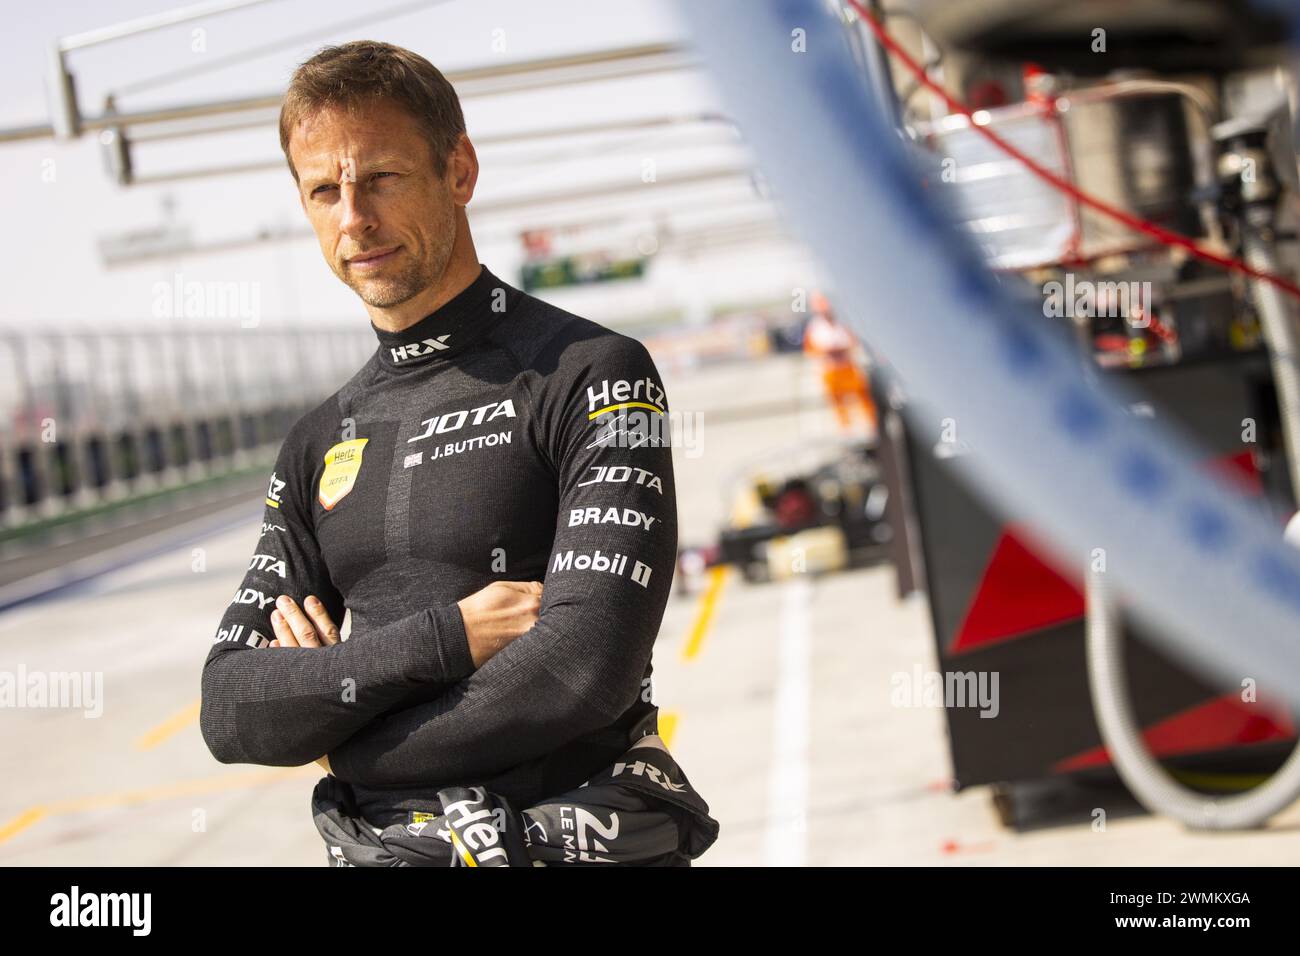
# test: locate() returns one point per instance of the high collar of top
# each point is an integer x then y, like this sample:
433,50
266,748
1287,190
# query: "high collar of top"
448,330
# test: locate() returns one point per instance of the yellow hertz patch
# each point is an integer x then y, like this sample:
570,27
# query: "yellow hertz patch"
342,464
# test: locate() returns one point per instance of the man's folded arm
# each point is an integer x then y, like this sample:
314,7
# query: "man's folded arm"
288,706
607,582
522,704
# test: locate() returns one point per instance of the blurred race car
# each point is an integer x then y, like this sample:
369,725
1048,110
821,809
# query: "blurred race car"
814,507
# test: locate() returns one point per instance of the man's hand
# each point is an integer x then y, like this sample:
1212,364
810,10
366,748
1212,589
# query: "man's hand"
293,628
496,615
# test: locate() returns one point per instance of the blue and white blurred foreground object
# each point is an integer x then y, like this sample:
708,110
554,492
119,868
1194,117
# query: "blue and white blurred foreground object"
1048,444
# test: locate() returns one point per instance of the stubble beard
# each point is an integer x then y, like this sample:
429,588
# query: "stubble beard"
387,292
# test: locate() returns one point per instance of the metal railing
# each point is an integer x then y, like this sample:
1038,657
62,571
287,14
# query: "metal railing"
89,418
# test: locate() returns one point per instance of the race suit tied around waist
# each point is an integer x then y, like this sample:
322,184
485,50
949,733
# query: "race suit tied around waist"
641,810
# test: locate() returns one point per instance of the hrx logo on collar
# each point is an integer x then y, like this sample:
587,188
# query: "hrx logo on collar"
416,349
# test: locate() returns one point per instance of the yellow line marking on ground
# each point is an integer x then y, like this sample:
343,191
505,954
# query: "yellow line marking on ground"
129,798
667,726
21,822
704,616
186,788
169,727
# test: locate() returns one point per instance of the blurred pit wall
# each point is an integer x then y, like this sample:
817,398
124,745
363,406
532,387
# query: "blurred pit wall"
92,418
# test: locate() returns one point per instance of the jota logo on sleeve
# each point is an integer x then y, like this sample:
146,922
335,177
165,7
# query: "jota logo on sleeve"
342,465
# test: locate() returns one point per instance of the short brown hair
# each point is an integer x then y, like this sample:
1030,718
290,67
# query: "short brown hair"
352,74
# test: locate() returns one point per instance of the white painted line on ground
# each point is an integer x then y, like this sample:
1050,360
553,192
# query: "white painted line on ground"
787,791
89,571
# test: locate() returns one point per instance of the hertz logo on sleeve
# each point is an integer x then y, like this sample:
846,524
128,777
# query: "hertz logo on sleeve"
342,465
622,394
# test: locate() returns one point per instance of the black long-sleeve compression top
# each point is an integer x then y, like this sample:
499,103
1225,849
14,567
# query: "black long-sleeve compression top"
499,438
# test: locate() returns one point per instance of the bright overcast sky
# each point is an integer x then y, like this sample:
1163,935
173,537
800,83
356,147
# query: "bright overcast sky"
54,268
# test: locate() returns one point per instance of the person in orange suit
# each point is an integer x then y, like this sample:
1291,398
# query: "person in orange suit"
844,378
